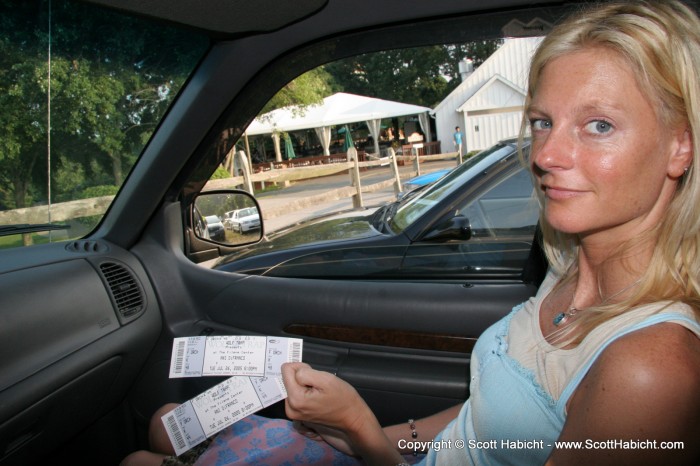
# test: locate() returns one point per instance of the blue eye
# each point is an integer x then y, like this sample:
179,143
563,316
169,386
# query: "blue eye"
599,127
538,125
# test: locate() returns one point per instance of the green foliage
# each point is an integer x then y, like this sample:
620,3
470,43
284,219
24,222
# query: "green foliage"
68,178
220,174
16,241
99,191
110,85
218,204
308,89
420,76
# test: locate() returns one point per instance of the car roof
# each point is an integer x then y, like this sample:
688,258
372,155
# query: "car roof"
221,16
231,18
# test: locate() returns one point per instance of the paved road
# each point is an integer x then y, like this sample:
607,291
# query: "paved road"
316,186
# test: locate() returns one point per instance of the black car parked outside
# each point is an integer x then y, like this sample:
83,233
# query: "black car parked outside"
478,221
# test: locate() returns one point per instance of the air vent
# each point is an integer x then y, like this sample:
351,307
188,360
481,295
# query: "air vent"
89,246
126,291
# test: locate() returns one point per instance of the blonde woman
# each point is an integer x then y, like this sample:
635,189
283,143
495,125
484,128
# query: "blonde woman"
608,352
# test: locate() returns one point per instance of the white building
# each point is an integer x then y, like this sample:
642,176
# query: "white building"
488,104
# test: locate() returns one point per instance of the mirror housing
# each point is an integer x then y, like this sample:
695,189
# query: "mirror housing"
454,228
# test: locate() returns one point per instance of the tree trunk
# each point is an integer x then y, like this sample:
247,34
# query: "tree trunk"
117,170
21,187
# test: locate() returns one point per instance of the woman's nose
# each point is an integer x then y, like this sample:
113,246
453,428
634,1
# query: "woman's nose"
552,150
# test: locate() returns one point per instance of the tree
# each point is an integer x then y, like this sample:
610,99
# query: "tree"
304,91
421,76
23,139
110,85
307,89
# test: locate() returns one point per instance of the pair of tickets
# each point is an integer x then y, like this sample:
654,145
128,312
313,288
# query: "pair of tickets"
254,365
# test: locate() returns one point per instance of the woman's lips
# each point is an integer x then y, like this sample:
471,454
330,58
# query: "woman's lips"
559,192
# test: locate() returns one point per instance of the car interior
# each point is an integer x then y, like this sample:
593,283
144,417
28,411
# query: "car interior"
87,325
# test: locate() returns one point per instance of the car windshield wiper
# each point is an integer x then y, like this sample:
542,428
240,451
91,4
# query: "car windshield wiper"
389,214
377,218
20,228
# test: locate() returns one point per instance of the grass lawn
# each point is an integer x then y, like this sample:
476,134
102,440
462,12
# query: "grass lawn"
15,241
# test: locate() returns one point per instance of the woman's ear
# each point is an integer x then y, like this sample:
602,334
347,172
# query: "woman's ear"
682,154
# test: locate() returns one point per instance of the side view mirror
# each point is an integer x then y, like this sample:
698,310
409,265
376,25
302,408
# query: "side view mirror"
457,227
229,218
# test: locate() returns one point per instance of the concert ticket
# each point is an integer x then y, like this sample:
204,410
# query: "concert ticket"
255,356
255,365
217,408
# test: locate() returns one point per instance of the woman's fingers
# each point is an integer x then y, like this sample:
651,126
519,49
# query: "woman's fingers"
318,396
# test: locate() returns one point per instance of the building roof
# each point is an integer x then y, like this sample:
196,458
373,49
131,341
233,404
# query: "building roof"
497,92
511,62
337,109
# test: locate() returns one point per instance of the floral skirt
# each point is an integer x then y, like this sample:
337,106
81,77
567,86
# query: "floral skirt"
261,441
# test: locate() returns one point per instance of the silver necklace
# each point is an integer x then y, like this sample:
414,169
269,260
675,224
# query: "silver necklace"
562,317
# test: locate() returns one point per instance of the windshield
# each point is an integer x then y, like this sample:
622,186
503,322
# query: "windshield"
81,90
413,207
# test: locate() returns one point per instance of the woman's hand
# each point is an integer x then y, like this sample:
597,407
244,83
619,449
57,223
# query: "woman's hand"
322,398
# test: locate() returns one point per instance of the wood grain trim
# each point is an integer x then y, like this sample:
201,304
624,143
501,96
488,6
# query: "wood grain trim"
384,337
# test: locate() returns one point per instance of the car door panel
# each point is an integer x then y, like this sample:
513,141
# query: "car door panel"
197,301
390,382
438,378
473,259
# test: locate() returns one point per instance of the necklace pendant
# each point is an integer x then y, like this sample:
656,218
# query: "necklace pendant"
564,316
559,318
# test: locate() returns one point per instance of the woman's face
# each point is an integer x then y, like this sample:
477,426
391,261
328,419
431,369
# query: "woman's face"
604,161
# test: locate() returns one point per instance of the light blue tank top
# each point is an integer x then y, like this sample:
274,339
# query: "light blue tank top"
509,418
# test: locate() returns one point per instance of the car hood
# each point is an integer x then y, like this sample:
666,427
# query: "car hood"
308,235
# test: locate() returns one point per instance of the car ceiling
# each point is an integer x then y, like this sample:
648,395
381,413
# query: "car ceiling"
234,17
221,16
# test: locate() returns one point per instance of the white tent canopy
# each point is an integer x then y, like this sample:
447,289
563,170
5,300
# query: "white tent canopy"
337,109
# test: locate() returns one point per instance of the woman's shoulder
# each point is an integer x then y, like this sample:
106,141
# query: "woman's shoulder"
644,385
662,345
656,363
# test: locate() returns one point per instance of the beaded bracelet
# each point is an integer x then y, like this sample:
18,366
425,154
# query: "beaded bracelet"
414,434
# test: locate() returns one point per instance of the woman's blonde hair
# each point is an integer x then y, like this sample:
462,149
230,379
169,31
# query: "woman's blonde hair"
660,40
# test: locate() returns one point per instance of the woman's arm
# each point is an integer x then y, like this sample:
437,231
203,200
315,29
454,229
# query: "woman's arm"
426,428
645,388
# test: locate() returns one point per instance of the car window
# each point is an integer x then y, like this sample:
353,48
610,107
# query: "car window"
508,204
321,222
503,216
81,91
453,181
